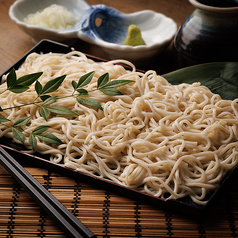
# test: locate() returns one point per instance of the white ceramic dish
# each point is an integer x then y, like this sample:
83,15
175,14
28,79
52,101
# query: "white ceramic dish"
157,30
21,8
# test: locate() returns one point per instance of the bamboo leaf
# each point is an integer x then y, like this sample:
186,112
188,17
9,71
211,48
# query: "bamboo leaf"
49,138
111,91
52,85
85,79
11,78
18,135
3,119
22,121
60,110
29,79
90,102
49,99
117,83
40,129
45,113
219,77
32,141
102,80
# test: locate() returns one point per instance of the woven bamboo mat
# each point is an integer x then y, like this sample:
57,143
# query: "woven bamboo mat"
105,214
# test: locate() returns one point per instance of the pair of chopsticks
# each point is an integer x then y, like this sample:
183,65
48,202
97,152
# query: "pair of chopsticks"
59,213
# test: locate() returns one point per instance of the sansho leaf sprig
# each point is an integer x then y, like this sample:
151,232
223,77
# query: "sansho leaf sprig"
44,101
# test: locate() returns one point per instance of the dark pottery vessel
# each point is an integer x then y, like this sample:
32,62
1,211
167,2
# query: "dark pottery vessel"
209,34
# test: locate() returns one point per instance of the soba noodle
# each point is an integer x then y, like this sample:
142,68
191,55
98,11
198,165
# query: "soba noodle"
170,141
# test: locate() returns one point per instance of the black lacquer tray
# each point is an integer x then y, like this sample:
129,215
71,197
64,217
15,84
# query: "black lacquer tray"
183,206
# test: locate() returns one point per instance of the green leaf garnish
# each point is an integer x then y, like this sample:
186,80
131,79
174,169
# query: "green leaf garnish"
29,79
38,87
52,85
117,83
49,138
111,91
18,88
85,79
32,141
44,97
22,121
82,92
90,102
40,129
3,119
11,78
45,113
74,84
18,135
48,99
60,110
102,80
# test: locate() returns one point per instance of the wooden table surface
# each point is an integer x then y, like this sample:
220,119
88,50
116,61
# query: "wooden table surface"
111,216
14,43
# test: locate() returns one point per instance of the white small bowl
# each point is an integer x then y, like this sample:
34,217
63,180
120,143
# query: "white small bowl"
22,8
157,30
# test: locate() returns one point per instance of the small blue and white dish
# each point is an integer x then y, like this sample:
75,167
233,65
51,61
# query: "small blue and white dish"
157,30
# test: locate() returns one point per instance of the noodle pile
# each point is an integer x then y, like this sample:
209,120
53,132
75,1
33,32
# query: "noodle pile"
170,141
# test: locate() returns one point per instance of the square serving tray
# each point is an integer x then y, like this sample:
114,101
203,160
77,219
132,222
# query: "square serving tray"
183,206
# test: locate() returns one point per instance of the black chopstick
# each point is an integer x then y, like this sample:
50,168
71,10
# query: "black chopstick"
59,213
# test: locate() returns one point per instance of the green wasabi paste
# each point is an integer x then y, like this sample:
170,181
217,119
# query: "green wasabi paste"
134,37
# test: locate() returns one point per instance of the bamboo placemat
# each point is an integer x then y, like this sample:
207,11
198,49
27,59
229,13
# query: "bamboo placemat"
104,213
